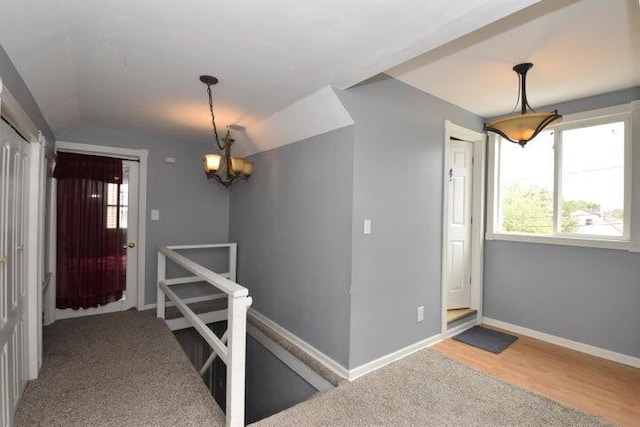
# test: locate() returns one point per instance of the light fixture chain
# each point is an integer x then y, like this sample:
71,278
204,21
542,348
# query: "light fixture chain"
213,117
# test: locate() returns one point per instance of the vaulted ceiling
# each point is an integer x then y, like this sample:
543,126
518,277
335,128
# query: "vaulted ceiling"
134,65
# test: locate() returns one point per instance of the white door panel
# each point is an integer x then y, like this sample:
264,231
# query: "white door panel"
459,224
13,290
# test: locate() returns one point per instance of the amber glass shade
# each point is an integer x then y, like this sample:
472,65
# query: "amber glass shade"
522,127
237,163
247,169
211,162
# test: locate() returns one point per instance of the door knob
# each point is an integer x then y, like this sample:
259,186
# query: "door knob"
129,245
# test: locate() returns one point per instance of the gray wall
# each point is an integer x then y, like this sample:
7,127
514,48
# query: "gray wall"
399,139
12,81
192,209
582,294
292,223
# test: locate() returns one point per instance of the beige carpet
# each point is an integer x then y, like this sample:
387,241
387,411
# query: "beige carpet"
120,369
427,389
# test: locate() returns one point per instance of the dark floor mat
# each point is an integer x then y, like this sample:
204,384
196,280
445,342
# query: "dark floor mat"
486,339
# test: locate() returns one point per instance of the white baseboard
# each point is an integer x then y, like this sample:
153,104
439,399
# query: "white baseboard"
563,342
352,374
392,357
186,301
319,356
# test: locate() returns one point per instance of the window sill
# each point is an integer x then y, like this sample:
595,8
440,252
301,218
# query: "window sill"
563,241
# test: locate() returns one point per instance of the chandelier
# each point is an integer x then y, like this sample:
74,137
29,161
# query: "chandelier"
224,168
523,127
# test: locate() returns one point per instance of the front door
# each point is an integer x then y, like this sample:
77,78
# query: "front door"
122,213
459,224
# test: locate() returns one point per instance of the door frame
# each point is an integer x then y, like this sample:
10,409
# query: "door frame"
142,156
479,141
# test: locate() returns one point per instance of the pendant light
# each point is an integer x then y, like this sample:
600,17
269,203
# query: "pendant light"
523,127
224,168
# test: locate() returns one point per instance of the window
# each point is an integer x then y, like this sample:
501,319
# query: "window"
571,183
117,205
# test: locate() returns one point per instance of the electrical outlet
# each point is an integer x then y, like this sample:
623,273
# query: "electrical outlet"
420,314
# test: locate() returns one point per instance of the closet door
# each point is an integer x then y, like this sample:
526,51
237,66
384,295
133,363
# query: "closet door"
13,290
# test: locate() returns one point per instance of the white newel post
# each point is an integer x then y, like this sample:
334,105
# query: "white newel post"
233,256
161,276
236,348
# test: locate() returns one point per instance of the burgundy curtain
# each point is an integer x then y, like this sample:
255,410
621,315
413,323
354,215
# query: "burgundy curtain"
91,261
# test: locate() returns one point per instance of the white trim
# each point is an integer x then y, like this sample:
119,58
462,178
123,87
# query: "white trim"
208,317
34,245
186,300
392,357
477,228
352,374
461,328
563,241
563,342
319,356
634,232
142,155
587,116
492,185
142,224
70,313
106,150
295,364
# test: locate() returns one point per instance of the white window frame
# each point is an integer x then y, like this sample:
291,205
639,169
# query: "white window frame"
630,113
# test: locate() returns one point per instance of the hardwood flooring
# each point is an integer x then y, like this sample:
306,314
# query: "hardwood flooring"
591,384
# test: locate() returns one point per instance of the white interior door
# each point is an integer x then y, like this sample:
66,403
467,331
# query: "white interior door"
459,224
13,287
128,212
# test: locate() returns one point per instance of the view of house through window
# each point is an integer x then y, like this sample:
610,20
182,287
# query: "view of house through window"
590,181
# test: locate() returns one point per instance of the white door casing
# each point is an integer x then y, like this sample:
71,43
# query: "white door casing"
13,285
454,132
459,224
132,235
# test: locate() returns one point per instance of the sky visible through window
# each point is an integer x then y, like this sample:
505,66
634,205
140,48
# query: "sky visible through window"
592,182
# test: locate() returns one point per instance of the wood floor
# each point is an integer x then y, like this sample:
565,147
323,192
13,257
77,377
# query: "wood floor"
591,384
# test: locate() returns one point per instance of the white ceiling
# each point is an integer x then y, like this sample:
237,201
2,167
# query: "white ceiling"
578,48
134,64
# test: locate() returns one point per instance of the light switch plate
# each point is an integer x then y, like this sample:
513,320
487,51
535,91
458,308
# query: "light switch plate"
155,214
367,226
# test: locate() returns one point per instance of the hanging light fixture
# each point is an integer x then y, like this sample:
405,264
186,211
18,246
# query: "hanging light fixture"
224,168
524,127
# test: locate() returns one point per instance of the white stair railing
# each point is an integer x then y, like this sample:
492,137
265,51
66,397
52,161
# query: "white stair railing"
232,353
